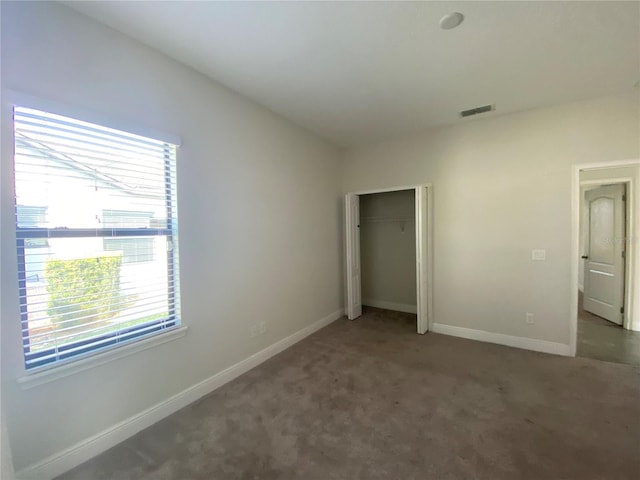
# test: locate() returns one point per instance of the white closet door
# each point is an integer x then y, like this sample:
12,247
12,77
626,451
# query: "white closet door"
354,294
421,260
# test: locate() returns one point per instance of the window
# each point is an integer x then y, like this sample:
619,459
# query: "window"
96,232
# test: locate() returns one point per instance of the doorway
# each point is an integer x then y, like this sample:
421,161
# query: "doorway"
605,304
421,229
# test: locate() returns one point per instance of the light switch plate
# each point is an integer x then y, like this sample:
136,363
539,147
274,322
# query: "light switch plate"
539,254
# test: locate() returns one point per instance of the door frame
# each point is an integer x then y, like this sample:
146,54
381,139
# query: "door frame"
424,250
632,274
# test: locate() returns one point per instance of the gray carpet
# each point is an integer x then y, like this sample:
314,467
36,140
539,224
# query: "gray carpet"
370,399
604,340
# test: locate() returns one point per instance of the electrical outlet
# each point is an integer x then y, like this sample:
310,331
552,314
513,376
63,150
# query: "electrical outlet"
539,254
254,330
529,318
258,329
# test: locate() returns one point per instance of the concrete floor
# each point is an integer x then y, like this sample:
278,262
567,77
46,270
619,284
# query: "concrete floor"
370,399
601,339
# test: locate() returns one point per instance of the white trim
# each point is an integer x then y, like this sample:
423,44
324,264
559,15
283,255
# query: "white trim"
605,181
73,456
54,372
501,339
390,189
397,307
15,98
630,162
574,263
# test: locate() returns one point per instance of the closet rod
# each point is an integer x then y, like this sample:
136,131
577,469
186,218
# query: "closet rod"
387,219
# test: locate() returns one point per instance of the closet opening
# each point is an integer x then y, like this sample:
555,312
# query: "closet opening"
389,252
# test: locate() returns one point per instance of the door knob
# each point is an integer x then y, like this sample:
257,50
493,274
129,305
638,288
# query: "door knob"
585,256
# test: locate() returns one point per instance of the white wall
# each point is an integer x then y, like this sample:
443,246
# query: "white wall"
6,466
388,250
260,222
502,186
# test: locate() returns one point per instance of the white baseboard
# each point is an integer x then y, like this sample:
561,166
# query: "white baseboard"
397,307
508,340
73,456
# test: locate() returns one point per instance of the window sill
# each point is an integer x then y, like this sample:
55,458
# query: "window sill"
50,374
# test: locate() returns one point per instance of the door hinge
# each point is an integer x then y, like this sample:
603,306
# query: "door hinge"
621,309
623,254
624,197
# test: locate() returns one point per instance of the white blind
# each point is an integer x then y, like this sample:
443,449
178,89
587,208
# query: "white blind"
96,230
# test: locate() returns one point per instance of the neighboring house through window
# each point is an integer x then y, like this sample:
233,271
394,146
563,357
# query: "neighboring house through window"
33,217
136,249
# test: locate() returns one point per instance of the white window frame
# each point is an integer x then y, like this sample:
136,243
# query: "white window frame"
40,375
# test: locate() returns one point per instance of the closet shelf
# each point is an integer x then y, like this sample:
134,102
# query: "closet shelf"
386,219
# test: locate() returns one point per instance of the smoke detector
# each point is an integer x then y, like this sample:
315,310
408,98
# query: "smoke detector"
451,20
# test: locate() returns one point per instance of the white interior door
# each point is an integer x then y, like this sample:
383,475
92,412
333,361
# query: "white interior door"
604,252
354,294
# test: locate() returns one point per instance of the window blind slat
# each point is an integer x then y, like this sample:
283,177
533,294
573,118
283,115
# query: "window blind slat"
66,351
33,166
57,147
37,306
68,336
88,313
65,335
41,120
162,312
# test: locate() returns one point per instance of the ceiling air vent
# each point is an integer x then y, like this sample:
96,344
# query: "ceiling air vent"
477,110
